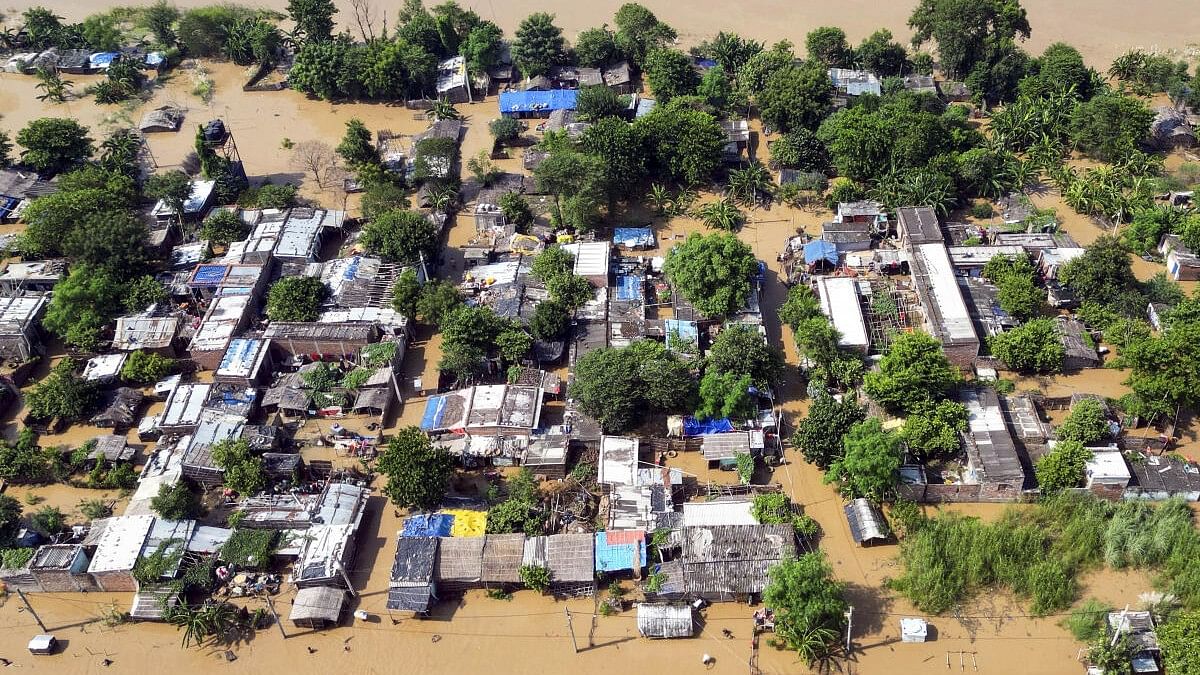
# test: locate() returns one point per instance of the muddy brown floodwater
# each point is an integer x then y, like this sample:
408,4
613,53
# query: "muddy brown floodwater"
529,633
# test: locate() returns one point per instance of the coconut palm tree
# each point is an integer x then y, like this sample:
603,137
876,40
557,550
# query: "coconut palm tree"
752,185
443,109
1127,66
722,214
120,151
442,197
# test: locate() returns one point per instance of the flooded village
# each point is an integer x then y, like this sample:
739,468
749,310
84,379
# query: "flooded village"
562,342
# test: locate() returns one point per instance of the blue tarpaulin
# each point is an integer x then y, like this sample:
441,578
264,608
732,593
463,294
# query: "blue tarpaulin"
819,250
629,287
695,427
616,550
102,59
514,102
688,332
428,525
633,237
432,419
155,59
761,275
209,275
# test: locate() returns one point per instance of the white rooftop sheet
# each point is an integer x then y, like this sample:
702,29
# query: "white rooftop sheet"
706,514
184,405
591,257
242,357
943,285
121,543
839,301
618,460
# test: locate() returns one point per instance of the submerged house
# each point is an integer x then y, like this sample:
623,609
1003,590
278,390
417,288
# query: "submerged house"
118,548
1183,264
526,104
1079,349
20,325
411,589
37,276
727,562
452,83
1170,130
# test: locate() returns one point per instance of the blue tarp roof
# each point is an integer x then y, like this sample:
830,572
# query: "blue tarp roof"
817,250
619,556
210,274
629,287
432,419
633,237
695,427
428,525
761,275
537,101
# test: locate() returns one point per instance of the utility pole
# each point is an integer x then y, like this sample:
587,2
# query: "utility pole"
271,607
849,628
571,628
29,607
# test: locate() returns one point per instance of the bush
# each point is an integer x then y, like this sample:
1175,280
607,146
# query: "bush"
249,549
505,129
144,367
536,577
48,520
223,227
982,210
1087,621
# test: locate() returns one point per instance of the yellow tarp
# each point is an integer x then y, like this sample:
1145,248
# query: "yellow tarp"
467,523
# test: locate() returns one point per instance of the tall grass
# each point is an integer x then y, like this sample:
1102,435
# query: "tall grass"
1038,552
1086,622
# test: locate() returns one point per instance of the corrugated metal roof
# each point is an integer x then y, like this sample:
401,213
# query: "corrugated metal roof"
665,620
700,514
618,460
120,543
866,522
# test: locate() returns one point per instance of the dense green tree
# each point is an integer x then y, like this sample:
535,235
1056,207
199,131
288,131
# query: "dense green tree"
204,31
809,605
819,434
879,54
827,46
406,294
356,147
550,320
796,97
685,144
515,515
1102,273
176,501
753,75
10,516
597,48
88,193
6,147
114,241
670,74
713,272
964,29
418,473
915,371
1019,295
513,343
327,70
313,18
82,304
932,429
296,299
396,68
1033,347
402,236
143,367
223,227
143,291
483,46
597,102
639,32
539,45
1064,467
1164,370
242,471
731,51
722,214
54,144
617,386
505,129
62,394
1087,423
1149,225
1061,67
870,462
1110,126
717,89
174,188
438,299
101,33
253,41
996,78
725,395
800,149
742,350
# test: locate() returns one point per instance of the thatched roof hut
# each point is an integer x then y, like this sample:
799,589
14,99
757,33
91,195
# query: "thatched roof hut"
317,607
121,410
502,558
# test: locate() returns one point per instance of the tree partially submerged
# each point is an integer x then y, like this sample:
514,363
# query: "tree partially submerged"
712,272
418,473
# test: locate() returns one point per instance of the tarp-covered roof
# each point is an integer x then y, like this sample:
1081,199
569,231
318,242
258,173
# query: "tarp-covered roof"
536,101
633,237
820,250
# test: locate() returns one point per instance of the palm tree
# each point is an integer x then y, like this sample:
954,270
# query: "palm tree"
659,198
120,151
751,185
443,109
441,197
1127,66
1023,174
53,84
722,214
